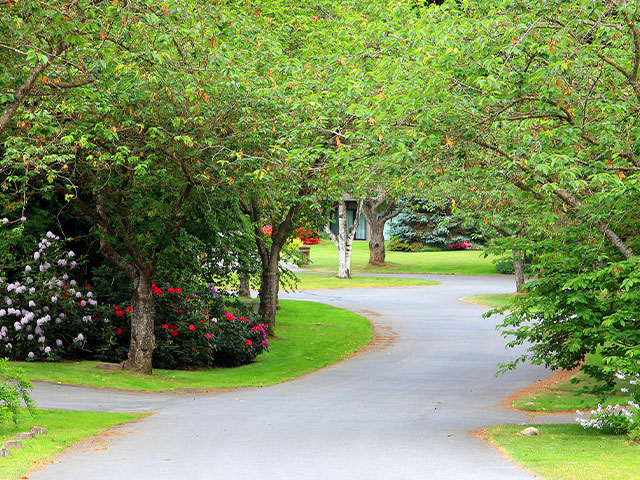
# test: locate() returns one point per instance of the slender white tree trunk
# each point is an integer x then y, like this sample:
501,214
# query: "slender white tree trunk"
344,240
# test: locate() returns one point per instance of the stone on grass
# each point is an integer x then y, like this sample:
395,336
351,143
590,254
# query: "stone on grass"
530,432
39,430
4,452
12,444
24,436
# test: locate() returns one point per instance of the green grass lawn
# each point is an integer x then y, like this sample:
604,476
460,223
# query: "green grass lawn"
309,336
495,300
309,281
324,257
573,394
568,452
65,427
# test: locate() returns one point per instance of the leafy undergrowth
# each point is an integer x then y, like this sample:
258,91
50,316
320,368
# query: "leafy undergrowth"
65,428
566,452
309,336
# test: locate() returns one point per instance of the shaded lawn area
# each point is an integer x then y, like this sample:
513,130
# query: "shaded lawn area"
567,452
309,336
324,257
65,428
310,281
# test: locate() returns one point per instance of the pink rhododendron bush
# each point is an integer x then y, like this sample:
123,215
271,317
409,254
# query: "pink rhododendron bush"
47,315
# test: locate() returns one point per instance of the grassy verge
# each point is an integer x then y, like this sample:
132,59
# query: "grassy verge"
309,337
495,300
469,262
575,393
564,452
65,427
309,281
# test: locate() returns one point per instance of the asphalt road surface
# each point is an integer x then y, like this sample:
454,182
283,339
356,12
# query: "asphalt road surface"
399,410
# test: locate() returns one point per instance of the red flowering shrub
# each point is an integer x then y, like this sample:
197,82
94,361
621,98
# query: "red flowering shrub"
191,331
461,245
308,236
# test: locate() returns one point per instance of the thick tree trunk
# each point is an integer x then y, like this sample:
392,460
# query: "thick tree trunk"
377,251
518,269
142,318
269,287
245,287
378,211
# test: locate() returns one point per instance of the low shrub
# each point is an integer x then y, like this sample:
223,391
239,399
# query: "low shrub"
192,330
505,266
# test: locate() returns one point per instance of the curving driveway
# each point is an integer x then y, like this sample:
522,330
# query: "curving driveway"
401,412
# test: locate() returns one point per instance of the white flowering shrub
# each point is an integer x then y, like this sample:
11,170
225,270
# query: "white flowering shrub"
617,419
45,313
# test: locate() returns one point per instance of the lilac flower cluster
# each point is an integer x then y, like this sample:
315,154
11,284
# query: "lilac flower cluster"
42,315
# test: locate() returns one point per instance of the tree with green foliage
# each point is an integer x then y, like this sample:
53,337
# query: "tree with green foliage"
545,97
134,147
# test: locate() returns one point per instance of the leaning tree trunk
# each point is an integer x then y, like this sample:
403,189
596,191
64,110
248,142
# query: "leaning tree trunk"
142,318
518,269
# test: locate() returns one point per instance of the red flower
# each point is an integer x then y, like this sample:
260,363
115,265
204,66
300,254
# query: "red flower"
178,291
230,316
206,314
116,307
202,321
174,333
119,313
173,327
267,230
128,309
164,326
243,319
172,303
180,311
118,331
207,335
156,290
248,342
88,287
192,328
171,290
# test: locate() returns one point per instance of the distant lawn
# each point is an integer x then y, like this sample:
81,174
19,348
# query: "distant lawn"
496,300
309,336
309,281
324,258
568,452
65,428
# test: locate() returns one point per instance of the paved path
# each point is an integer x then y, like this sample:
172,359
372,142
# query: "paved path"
398,413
